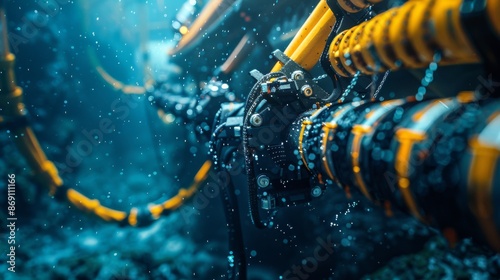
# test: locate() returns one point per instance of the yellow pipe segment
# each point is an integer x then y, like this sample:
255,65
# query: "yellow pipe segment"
308,53
311,22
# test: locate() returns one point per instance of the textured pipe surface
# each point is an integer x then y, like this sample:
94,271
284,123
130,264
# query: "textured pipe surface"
435,159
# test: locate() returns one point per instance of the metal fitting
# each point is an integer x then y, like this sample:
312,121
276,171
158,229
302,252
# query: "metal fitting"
263,181
298,75
256,120
316,191
307,90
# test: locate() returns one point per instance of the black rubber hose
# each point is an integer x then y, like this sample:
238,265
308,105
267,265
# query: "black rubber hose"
252,102
237,259
238,266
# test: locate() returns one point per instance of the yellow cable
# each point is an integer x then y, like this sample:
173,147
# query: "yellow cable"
183,195
116,84
94,206
45,170
108,78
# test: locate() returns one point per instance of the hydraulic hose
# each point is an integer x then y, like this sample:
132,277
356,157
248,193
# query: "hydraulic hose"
410,36
254,98
306,47
237,259
438,160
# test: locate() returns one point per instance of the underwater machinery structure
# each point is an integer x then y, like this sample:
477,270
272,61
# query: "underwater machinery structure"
434,158
431,151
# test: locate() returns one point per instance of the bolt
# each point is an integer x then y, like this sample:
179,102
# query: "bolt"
256,120
307,90
316,191
298,75
263,181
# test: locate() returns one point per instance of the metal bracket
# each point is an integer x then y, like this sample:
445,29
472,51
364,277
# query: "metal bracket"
302,78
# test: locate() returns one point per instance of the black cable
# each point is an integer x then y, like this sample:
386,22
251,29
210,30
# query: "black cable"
237,259
237,264
213,146
252,102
